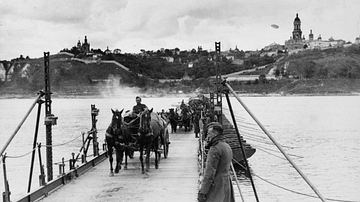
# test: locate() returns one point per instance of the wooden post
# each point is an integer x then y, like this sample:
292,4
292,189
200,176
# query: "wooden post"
34,143
7,193
94,113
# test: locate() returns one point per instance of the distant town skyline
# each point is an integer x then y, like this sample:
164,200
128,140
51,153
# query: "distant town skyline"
30,28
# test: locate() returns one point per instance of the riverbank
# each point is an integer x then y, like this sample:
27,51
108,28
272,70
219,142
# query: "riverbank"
174,95
284,87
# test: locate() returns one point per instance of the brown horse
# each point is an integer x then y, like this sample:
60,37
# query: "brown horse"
151,130
117,137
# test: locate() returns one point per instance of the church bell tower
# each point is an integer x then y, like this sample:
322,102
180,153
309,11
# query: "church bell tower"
297,33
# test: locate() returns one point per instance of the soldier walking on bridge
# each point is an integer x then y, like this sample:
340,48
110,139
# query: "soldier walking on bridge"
216,185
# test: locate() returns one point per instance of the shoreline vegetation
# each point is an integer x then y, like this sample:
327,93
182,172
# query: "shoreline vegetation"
170,95
330,72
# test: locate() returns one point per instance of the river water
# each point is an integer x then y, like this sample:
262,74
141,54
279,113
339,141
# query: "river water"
320,134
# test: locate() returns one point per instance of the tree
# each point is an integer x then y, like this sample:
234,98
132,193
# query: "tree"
99,51
277,73
7,66
168,52
74,50
262,78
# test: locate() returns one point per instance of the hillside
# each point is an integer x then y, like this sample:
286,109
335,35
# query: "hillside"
321,72
331,71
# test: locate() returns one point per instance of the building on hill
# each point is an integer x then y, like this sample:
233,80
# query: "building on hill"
117,51
274,47
320,44
168,59
357,40
83,47
107,51
295,42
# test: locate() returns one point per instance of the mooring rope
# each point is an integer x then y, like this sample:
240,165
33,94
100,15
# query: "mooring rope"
20,156
271,150
290,190
20,124
61,144
296,192
27,153
275,142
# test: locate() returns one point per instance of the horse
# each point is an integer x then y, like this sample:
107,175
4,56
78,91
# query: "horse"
116,137
165,117
173,118
151,131
185,119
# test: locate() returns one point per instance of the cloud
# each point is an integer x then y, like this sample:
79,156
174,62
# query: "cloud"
30,27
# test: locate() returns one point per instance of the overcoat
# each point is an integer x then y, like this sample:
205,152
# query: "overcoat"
216,183
196,123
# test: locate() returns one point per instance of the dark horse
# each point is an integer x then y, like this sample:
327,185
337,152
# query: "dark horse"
173,118
185,119
151,130
116,137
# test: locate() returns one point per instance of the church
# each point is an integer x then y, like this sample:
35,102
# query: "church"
298,42
84,47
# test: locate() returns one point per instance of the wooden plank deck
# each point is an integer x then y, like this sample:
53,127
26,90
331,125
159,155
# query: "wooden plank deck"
175,180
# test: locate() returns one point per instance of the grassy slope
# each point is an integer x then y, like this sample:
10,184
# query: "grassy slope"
332,71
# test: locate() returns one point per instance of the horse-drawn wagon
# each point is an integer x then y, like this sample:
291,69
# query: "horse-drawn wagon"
181,119
146,131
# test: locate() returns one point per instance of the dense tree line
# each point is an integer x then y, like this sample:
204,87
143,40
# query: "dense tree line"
203,66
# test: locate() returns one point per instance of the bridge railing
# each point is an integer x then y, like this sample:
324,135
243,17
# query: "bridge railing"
89,138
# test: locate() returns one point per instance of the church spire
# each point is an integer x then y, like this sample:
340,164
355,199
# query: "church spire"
297,33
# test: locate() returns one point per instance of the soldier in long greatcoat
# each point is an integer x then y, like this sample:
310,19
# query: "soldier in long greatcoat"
197,124
216,185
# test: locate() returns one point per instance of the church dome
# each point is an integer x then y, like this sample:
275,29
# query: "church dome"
297,19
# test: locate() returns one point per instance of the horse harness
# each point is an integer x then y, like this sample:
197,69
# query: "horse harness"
115,132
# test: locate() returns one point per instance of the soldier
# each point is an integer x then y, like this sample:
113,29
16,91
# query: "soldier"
216,185
139,107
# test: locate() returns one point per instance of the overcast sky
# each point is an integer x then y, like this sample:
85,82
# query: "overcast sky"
31,27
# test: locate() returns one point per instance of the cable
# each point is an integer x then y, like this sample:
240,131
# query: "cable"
264,148
62,143
296,192
20,156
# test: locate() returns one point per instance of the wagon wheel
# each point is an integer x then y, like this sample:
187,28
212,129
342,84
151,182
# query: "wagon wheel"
130,153
159,148
166,144
166,149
